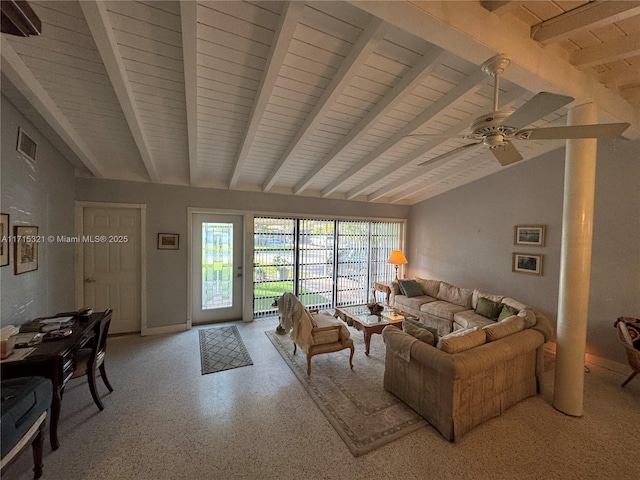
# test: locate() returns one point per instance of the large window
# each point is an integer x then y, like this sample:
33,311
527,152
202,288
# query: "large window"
324,262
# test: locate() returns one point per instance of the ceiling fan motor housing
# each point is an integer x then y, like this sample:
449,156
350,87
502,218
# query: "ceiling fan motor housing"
491,124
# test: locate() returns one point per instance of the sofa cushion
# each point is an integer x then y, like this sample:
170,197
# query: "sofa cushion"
442,309
477,293
323,320
410,288
456,295
418,324
462,340
421,334
506,311
506,327
488,308
529,317
413,303
469,318
430,287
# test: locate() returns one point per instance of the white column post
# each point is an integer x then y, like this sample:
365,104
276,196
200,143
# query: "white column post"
575,264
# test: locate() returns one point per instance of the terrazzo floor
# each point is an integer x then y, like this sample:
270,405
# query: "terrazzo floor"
167,421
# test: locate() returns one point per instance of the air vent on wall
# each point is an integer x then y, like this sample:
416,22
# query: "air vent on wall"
26,145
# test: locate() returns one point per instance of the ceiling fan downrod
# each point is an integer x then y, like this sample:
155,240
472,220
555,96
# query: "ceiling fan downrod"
495,67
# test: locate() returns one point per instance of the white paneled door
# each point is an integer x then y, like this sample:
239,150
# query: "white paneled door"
111,264
216,261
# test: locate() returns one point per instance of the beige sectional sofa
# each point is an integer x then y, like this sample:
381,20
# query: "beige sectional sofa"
448,308
475,369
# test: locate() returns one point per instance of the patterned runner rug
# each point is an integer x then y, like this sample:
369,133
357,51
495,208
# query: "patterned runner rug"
222,348
355,402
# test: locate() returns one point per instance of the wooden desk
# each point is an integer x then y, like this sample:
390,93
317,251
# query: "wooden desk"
55,360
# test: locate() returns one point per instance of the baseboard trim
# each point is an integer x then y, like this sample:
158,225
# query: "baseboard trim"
168,329
617,367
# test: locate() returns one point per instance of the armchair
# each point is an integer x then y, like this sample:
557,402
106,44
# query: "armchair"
314,332
629,335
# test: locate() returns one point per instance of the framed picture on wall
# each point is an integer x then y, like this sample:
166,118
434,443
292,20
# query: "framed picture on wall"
529,235
527,263
168,241
4,239
25,256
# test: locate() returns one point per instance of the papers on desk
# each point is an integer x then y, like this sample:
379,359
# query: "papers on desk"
46,324
47,321
18,354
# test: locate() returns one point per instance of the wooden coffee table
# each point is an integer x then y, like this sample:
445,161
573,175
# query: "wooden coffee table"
358,316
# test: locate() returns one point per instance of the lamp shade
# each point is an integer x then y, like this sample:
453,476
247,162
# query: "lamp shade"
397,258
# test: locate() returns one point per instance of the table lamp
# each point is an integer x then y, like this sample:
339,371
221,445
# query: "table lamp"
397,258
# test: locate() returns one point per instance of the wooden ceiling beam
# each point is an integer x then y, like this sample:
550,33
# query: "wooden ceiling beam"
444,175
472,82
590,16
97,18
500,7
429,62
289,18
462,127
475,35
189,24
25,81
619,76
607,52
355,60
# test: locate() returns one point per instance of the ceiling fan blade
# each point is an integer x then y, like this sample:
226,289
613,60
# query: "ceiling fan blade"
603,130
506,154
452,153
539,106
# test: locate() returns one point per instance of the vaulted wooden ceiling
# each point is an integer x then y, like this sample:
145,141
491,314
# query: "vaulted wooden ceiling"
310,98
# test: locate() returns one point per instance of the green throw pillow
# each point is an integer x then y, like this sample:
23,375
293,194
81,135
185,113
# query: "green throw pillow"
433,330
507,311
421,334
410,288
488,308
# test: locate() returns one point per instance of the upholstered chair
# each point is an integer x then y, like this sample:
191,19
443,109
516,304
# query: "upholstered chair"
629,335
314,332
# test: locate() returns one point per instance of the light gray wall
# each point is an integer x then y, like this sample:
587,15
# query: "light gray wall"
167,212
465,237
40,194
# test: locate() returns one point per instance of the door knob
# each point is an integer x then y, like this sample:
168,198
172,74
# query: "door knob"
89,280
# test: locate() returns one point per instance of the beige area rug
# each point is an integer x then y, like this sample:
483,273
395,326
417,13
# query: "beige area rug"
355,402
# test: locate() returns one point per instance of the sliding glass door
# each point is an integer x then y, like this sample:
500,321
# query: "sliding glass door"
326,263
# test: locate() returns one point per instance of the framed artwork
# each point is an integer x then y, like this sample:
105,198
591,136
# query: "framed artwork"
4,239
527,263
25,256
168,241
529,235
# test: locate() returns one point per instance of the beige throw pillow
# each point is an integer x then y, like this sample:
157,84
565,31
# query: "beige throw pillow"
506,327
462,340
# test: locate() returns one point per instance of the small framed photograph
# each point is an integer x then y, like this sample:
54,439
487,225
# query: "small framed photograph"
25,256
168,241
529,235
527,263
4,239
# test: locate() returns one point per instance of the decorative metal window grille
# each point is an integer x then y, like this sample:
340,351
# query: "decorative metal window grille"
325,263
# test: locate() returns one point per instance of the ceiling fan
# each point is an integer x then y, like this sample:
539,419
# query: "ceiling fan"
497,129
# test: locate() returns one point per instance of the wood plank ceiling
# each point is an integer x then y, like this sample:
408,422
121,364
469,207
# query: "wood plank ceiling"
310,98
